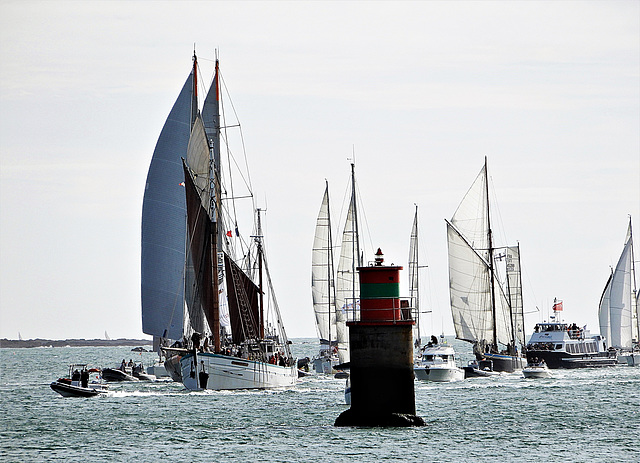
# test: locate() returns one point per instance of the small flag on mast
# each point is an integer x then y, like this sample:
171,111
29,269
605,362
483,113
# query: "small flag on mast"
557,306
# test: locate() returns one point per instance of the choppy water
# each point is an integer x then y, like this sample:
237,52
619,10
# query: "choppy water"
590,414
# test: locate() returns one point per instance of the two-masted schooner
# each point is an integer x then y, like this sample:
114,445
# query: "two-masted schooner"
205,279
485,285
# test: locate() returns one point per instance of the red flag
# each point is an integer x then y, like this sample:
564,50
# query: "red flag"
229,234
557,307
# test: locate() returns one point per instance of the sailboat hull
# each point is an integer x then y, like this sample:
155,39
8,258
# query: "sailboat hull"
228,373
504,363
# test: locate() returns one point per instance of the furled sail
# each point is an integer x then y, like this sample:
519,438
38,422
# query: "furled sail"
616,305
514,289
322,284
164,224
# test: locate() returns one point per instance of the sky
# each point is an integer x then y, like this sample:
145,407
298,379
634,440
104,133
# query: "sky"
419,92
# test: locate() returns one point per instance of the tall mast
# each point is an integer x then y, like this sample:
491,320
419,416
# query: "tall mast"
331,296
214,187
634,289
414,286
194,93
355,236
260,290
491,269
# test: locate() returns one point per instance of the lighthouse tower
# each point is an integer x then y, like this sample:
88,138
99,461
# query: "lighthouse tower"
381,349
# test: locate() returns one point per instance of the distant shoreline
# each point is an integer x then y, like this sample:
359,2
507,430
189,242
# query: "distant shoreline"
14,343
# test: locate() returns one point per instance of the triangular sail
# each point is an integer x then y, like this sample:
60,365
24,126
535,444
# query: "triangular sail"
164,224
616,305
484,309
346,280
322,284
413,277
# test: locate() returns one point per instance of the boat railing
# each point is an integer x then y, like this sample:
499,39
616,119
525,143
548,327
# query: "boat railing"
576,334
386,310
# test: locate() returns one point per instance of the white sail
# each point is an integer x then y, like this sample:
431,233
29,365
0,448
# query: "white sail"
616,306
347,283
469,288
199,162
471,216
514,289
413,277
322,285
479,315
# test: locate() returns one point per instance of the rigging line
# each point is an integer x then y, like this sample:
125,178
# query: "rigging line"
366,223
241,134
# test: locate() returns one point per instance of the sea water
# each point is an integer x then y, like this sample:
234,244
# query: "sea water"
577,415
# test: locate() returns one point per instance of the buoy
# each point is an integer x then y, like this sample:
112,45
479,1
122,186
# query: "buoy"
381,350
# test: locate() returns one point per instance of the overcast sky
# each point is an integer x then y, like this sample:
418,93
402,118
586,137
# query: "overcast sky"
420,91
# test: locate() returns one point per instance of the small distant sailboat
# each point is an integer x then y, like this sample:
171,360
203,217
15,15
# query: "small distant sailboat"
106,336
348,281
486,298
414,291
323,290
618,311
334,298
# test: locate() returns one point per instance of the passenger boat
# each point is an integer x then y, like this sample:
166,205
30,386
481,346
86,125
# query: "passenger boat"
81,382
438,363
562,345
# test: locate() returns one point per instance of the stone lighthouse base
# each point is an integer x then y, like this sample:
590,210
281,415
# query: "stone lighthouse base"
390,420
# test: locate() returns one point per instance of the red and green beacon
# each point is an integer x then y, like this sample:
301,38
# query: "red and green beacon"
380,302
381,350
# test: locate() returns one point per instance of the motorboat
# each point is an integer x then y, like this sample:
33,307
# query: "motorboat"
536,370
124,372
437,363
482,368
630,358
81,382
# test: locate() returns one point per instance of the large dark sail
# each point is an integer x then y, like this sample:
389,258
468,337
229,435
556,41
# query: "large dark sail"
243,303
202,247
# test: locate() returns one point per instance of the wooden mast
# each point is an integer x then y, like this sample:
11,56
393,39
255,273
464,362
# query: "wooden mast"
214,184
491,269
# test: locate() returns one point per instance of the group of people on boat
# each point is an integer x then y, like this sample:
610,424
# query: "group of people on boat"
82,377
279,359
537,362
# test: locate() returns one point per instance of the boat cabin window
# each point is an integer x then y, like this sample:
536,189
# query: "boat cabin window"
558,346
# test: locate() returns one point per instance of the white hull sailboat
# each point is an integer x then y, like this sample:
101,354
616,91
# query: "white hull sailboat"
229,330
335,298
484,283
618,311
323,291
223,372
